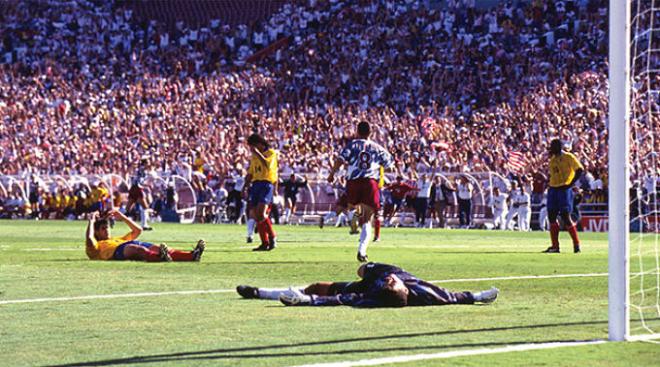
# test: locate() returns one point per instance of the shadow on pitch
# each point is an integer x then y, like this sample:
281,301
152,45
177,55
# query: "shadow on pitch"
272,351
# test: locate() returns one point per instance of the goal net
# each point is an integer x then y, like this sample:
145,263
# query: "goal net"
645,168
634,284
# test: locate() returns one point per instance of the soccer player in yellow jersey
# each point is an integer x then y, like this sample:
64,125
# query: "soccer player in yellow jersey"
99,197
100,245
565,170
262,181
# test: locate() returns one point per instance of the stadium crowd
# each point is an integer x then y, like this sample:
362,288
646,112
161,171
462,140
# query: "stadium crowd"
88,88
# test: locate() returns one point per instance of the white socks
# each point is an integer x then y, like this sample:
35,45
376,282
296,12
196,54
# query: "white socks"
287,215
272,293
340,219
143,216
364,239
250,227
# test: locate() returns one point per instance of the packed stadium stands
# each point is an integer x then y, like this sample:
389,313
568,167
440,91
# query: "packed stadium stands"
91,87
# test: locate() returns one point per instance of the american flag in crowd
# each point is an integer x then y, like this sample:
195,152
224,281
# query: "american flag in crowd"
516,161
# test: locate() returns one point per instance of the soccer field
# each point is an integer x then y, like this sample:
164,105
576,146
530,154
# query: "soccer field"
189,314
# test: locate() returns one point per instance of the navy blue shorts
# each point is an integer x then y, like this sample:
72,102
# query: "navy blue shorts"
119,251
560,200
261,192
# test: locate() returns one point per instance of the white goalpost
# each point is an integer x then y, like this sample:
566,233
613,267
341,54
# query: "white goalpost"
634,170
619,131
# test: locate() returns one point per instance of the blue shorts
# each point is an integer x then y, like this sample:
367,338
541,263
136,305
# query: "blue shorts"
560,200
119,251
261,192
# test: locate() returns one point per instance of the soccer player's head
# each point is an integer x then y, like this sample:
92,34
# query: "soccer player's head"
555,147
363,129
102,229
393,293
258,141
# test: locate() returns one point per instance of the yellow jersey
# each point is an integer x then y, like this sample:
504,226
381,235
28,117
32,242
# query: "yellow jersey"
99,194
562,169
198,164
267,171
105,249
381,180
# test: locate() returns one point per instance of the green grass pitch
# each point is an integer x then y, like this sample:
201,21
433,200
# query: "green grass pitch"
47,260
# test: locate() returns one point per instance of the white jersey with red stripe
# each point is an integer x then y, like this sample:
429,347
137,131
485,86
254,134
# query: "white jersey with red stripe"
364,158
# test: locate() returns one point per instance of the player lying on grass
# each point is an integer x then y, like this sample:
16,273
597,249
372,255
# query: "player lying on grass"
381,285
100,244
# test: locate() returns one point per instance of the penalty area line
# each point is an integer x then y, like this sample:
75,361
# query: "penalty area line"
454,354
209,291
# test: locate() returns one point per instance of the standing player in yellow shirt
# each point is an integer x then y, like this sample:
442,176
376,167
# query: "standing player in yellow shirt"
262,181
565,170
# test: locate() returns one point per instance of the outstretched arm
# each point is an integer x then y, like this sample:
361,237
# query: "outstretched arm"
348,299
136,231
90,242
338,163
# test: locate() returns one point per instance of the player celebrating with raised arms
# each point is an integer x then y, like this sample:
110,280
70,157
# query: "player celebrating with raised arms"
364,159
262,182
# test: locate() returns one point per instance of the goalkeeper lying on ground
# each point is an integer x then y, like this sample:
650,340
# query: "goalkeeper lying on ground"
381,285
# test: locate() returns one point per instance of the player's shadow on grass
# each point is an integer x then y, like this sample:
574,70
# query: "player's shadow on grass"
263,350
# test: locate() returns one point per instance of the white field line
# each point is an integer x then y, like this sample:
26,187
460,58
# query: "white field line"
453,354
207,291
522,277
36,249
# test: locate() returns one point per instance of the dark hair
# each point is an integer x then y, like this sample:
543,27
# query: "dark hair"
393,297
255,139
555,146
363,129
100,223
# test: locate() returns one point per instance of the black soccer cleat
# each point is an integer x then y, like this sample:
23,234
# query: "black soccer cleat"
147,228
321,222
164,253
247,292
272,244
199,250
551,250
576,249
262,247
362,258
248,239
376,239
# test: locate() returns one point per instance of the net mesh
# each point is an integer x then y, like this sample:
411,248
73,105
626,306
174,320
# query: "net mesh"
644,168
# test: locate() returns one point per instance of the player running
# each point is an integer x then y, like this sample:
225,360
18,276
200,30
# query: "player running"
136,196
291,188
364,158
262,182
